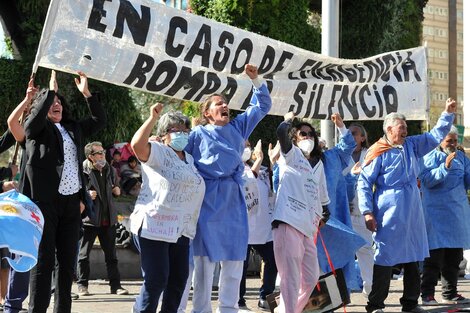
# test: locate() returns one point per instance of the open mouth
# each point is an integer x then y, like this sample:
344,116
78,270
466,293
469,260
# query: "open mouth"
225,114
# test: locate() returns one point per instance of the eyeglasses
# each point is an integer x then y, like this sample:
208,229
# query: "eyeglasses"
177,131
101,152
305,134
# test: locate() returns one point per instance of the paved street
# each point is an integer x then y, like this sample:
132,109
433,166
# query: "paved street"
102,302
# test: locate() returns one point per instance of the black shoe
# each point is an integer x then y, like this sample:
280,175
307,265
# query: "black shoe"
263,304
74,296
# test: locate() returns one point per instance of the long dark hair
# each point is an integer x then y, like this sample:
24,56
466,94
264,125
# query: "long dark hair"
316,153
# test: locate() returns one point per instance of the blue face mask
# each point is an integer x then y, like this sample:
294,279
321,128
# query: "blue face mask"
179,140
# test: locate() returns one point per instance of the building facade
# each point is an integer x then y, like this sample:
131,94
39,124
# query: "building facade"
443,37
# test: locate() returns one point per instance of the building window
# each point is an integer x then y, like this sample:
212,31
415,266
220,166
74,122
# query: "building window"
443,54
441,32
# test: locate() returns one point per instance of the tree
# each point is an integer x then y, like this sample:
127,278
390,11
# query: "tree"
23,21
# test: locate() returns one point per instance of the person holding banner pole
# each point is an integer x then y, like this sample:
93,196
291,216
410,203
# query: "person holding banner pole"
390,201
54,152
222,230
167,209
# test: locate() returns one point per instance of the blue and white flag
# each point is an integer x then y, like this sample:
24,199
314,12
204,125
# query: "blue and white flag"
21,226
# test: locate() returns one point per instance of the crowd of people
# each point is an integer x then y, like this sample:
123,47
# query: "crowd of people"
204,198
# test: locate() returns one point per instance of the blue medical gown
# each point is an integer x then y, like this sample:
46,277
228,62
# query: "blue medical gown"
222,229
335,161
445,202
396,204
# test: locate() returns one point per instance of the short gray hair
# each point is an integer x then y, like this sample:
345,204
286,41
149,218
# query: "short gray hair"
170,119
390,120
89,147
453,131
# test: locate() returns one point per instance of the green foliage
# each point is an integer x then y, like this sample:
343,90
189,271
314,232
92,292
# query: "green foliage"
123,118
288,21
370,27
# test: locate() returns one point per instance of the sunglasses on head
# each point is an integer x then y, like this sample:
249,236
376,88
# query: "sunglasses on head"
305,134
97,152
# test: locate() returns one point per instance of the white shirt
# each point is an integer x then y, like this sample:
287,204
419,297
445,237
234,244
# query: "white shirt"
171,196
259,206
302,192
70,179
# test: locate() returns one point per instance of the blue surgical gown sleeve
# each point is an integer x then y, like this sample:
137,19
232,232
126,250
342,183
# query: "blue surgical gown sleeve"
432,171
260,106
467,172
365,185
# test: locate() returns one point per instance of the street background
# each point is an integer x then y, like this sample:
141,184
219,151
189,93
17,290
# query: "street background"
102,302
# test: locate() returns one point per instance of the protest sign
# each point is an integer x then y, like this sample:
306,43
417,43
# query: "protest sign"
151,47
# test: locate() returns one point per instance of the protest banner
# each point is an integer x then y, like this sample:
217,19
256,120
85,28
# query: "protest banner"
148,46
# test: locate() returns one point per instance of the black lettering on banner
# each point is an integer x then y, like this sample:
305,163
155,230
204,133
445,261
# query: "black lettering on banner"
168,69
360,70
186,80
301,71
314,96
203,38
212,85
299,92
332,71
231,88
246,103
391,99
368,112
336,89
267,61
286,55
387,59
316,112
373,71
344,100
246,45
395,68
143,65
218,62
97,12
410,66
382,68
379,101
180,23
348,72
138,26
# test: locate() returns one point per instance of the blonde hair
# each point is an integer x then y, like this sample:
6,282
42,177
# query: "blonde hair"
205,104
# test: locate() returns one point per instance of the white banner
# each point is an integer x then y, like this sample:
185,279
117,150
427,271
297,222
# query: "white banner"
151,47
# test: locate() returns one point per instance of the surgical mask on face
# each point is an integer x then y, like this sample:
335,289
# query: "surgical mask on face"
179,140
99,164
306,145
246,154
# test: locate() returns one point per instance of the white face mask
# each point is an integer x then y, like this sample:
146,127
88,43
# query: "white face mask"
306,145
246,154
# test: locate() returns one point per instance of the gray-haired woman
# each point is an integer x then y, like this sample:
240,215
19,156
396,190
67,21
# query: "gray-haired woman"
167,209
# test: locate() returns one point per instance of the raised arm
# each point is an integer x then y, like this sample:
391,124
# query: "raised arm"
139,141
14,123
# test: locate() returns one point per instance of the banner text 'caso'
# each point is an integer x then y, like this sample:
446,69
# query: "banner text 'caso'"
151,47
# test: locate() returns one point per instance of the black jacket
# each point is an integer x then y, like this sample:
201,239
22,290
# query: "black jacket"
44,148
91,183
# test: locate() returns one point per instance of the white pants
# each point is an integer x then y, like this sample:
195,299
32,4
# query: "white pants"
466,256
365,255
184,298
229,285
297,264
